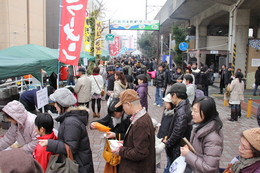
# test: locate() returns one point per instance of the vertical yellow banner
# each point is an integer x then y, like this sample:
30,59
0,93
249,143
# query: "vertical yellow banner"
86,35
98,44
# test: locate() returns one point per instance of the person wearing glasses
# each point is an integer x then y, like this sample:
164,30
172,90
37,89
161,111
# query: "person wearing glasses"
248,160
206,137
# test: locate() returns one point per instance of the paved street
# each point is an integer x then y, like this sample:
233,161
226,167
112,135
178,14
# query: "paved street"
231,131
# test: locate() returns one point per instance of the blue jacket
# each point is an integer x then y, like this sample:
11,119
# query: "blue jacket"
30,96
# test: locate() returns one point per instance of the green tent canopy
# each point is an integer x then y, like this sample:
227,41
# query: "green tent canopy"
12,66
46,57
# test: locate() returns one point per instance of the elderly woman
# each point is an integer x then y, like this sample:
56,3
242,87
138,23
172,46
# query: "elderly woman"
248,160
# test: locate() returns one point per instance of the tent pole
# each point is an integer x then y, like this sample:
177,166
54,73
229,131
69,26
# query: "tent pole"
58,73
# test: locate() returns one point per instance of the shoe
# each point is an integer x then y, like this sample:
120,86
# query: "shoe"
98,115
231,119
159,105
94,114
254,95
154,104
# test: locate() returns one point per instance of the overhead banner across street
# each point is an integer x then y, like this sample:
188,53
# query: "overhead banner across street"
134,25
71,30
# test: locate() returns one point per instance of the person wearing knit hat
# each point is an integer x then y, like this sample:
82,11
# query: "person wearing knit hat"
249,153
16,160
72,131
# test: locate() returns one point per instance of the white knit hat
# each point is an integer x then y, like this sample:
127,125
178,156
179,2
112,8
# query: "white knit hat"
64,97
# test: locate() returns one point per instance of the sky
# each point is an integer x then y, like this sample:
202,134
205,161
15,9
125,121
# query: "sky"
131,9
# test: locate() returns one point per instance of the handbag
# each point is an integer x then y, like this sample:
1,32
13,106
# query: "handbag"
110,157
59,163
102,91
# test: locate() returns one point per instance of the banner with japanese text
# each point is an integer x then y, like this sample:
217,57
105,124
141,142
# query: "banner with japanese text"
114,48
71,30
86,34
98,44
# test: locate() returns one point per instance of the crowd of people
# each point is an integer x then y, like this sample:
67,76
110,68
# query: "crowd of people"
189,113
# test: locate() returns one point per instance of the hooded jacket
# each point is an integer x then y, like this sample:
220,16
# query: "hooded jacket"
118,88
73,132
208,145
142,91
24,132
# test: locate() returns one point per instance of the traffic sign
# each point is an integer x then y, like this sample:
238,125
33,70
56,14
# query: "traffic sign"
109,37
183,46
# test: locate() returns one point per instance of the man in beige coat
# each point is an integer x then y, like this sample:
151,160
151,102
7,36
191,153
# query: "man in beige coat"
83,88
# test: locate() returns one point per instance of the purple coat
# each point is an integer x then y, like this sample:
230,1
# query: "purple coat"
142,91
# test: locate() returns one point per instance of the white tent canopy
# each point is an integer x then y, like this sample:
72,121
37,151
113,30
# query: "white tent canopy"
137,52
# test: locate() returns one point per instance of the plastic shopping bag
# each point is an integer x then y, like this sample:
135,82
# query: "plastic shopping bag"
178,165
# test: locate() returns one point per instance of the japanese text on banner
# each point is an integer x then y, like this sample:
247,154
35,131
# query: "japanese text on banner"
86,34
114,48
98,44
71,30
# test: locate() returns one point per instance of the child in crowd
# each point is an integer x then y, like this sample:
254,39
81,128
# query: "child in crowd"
199,92
159,145
44,127
166,118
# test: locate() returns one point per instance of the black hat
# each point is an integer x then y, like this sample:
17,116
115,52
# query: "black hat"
82,70
177,88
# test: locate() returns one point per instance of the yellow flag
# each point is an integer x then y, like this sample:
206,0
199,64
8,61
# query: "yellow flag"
86,35
98,44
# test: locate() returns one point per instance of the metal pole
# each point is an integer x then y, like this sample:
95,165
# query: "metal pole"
157,48
170,39
145,9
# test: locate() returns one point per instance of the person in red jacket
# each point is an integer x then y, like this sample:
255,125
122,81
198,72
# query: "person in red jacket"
44,127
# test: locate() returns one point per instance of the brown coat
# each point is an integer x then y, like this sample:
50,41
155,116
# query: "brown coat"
209,146
138,152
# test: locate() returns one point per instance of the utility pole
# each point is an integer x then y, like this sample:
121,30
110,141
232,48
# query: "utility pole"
145,9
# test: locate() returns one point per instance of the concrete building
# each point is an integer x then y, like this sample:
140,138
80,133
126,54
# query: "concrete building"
219,31
22,22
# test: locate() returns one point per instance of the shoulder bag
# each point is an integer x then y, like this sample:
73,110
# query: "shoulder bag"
110,157
59,163
102,91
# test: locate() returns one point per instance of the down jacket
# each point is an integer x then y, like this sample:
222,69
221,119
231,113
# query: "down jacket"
208,145
180,127
73,132
160,79
142,91
24,132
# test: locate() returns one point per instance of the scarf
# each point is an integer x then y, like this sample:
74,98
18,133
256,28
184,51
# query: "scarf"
243,163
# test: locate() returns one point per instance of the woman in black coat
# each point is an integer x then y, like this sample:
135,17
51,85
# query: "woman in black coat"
72,131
